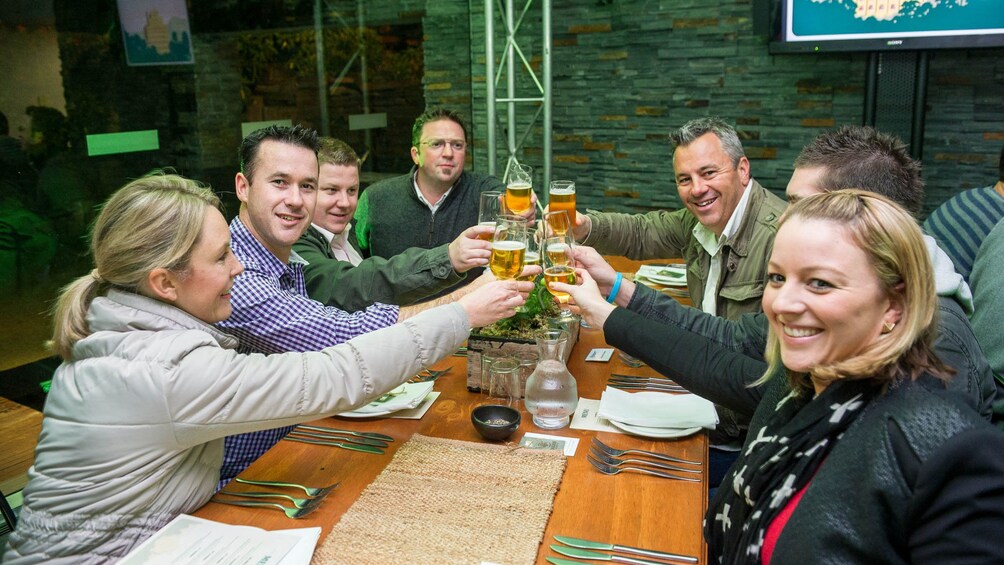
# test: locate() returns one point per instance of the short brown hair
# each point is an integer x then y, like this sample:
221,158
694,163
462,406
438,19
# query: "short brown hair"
435,115
333,151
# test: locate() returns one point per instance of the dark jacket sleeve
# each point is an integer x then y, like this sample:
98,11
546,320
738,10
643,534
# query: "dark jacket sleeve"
958,503
695,362
957,347
746,335
402,279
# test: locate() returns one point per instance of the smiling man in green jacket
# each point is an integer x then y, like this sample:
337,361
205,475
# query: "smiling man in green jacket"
338,275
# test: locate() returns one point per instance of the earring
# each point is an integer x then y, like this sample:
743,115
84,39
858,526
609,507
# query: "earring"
888,327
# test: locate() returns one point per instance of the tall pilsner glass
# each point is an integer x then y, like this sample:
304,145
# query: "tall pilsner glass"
532,256
556,252
489,209
508,247
561,196
517,190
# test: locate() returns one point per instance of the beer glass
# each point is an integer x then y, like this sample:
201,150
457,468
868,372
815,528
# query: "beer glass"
559,266
508,247
561,196
489,209
518,188
556,223
531,257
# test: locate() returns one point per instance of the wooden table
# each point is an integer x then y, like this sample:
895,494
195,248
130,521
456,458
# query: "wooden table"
628,509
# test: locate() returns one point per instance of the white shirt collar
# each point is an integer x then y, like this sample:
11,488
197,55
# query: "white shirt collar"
421,197
340,245
707,238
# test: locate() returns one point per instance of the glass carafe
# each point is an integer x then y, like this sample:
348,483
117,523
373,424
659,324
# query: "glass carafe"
551,393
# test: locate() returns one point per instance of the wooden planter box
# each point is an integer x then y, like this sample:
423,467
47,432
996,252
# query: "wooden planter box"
477,343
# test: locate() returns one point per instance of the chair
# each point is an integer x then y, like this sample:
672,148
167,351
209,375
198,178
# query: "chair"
9,518
12,240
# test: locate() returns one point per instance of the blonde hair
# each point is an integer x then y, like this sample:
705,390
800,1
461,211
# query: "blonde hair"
151,222
893,242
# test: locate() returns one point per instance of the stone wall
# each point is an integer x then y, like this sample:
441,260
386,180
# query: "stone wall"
627,73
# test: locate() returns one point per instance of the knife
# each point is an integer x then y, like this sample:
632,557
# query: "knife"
352,446
560,561
332,437
371,435
583,554
586,544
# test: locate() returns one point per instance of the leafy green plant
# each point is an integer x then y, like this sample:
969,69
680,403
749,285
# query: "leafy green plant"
533,316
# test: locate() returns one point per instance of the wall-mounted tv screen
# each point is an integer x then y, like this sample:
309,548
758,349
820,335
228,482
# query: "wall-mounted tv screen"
807,26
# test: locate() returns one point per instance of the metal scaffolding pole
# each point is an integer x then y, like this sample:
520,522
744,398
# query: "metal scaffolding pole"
512,100
322,81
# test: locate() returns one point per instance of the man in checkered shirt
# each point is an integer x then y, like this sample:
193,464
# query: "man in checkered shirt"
277,188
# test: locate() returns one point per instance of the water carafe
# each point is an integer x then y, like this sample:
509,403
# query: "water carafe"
551,393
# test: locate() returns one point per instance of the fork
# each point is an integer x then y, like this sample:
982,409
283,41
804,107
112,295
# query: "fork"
620,452
297,502
610,470
429,375
311,491
290,512
619,462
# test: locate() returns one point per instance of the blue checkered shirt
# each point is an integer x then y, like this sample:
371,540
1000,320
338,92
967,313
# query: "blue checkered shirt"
272,314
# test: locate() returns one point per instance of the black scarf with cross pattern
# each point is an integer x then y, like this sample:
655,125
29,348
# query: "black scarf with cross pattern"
779,462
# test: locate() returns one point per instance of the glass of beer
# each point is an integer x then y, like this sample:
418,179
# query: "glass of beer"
531,257
556,223
489,209
518,188
561,196
508,247
559,266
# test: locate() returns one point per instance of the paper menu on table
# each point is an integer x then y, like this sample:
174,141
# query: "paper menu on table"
194,541
587,417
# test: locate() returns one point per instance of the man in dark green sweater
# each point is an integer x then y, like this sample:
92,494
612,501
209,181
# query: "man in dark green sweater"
432,204
338,275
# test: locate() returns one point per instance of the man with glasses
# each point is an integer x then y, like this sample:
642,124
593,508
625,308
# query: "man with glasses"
431,205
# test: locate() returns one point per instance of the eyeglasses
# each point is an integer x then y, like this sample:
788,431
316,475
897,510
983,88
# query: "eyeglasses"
440,144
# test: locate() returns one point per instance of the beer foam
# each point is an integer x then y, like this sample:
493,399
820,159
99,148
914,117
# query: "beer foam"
508,245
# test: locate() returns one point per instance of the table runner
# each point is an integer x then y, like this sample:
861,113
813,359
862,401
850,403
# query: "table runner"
449,501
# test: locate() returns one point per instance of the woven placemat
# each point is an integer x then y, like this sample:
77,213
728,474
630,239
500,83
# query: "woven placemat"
448,501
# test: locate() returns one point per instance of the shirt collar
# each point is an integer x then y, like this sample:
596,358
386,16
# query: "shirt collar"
342,239
707,238
421,197
254,255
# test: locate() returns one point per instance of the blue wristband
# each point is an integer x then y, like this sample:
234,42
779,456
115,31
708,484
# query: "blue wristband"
616,288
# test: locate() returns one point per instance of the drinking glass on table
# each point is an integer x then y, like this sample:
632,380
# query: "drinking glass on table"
559,266
489,209
508,247
519,184
561,197
504,382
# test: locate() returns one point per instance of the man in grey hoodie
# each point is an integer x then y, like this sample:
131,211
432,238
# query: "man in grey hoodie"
850,157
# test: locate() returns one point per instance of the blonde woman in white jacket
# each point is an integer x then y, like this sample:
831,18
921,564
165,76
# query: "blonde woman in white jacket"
134,423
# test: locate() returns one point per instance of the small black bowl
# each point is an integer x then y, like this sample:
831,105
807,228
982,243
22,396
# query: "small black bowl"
495,422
